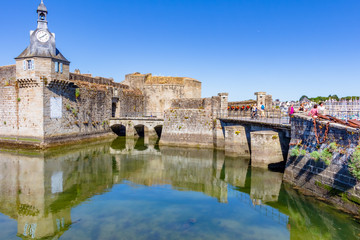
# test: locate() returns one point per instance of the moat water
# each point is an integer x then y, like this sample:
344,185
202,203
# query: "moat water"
133,189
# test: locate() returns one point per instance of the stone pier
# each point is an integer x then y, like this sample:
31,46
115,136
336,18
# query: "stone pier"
265,148
236,143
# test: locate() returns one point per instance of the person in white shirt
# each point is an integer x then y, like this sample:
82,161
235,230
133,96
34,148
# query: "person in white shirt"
321,108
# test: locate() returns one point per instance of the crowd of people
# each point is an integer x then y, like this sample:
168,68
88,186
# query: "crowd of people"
255,111
314,112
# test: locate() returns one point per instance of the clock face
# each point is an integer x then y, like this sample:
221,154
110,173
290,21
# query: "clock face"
42,36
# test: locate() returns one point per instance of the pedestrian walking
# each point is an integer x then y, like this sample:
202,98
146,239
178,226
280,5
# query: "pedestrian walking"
291,112
262,110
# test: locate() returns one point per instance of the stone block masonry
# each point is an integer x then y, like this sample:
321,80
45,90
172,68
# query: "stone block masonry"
188,127
265,149
236,143
322,168
8,100
159,91
191,122
83,111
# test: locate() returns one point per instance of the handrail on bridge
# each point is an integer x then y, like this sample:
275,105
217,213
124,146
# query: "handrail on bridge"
154,115
269,116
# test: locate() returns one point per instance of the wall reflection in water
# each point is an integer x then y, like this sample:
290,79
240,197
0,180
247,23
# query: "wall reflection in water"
39,189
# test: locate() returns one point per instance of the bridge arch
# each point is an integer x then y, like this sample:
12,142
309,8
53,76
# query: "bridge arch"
119,129
158,130
141,130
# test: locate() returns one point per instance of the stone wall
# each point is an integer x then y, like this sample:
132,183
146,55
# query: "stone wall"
159,96
97,80
131,102
87,114
159,91
334,181
7,74
192,88
8,101
17,97
40,107
191,122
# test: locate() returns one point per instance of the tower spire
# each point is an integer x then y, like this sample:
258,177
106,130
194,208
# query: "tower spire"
42,14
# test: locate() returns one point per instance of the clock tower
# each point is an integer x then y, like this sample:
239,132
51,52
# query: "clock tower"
41,58
37,68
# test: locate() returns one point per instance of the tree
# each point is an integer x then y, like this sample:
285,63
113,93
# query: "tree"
302,97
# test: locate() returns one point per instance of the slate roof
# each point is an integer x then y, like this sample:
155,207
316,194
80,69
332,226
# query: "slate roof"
42,7
42,53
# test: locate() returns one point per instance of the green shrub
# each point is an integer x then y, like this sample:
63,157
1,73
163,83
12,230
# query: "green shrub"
77,93
75,112
315,155
333,147
326,156
302,152
354,163
295,152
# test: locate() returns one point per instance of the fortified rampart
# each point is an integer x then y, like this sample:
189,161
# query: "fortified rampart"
51,111
8,99
322,168
192,122
160,91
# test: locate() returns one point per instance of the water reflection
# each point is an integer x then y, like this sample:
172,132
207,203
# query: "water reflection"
265,185
41,191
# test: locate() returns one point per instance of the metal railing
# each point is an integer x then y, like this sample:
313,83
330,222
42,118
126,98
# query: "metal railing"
142,115
270,116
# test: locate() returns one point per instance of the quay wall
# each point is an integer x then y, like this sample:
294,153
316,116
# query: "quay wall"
332,181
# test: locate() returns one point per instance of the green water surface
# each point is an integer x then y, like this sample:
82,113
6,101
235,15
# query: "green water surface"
134,189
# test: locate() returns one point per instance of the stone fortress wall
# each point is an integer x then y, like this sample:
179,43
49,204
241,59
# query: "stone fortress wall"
159,91
86,105
8,100
192,122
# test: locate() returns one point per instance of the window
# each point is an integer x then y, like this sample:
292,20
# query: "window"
29,65
57,67
61,67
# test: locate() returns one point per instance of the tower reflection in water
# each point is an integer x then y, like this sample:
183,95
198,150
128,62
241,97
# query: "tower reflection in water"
39,189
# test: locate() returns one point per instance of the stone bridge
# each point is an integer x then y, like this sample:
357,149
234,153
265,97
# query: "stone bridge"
137,126
266,140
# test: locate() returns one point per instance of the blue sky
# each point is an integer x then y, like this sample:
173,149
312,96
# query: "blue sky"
284,47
